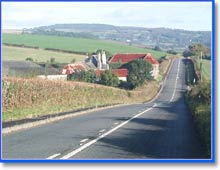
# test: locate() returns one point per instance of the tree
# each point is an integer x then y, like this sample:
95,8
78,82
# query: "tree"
196,49
89,76
139,71
188,53
110,79
157,48
172,52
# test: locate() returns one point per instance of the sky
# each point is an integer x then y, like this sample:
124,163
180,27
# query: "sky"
196,16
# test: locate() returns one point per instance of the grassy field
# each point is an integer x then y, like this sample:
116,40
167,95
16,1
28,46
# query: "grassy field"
206,69
74,44
17,53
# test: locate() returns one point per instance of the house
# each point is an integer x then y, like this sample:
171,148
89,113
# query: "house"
120,73
126,58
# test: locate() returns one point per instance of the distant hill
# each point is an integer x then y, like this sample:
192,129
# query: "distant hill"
165,38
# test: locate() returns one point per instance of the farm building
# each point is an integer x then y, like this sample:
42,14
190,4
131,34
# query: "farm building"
126,58
120,73
74,68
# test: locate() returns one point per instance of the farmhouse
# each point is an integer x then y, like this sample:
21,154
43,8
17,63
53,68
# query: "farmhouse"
126,58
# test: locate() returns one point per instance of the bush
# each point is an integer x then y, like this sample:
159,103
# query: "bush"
157,48
199,102
52,60
88,76
172,52
29,59
109,79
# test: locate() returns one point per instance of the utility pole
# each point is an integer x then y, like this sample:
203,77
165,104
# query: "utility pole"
201,65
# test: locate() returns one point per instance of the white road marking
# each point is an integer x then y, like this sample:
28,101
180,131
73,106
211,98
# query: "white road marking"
155,104
53,156
84,140
116,123
174,91
74,152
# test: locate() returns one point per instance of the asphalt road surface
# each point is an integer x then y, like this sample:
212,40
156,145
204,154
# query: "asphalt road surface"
162,129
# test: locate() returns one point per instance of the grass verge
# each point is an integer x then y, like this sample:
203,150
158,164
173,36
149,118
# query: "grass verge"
199,102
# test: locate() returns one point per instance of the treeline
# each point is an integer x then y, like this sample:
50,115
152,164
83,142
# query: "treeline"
53,32
20,45
195,50
49,49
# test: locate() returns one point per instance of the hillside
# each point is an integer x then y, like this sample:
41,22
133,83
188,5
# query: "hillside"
80,45
164,37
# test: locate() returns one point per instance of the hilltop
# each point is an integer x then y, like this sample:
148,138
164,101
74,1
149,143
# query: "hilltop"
166,38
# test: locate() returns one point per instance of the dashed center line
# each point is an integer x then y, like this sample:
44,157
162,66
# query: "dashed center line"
174,91
54,156
116,123
84,140
74,152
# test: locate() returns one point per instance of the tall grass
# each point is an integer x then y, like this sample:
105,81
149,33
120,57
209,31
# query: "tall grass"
24,98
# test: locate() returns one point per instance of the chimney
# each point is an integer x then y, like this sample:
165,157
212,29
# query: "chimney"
99,61
103,57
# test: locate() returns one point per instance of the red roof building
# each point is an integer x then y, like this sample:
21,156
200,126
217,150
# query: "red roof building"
120,73
126,58
73,68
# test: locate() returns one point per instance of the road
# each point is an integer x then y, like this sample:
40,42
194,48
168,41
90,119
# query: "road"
159,129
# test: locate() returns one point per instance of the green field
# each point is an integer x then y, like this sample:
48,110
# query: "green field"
74,44
17,53
206,69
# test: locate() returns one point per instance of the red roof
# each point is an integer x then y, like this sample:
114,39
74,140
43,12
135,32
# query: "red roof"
121,72
125,58
118,72
98,73
150,59
72,68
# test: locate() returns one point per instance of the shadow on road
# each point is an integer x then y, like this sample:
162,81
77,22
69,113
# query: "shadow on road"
164,132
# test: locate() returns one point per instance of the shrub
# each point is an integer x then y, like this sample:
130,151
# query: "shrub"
52,60
109,79
199,102
29,59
